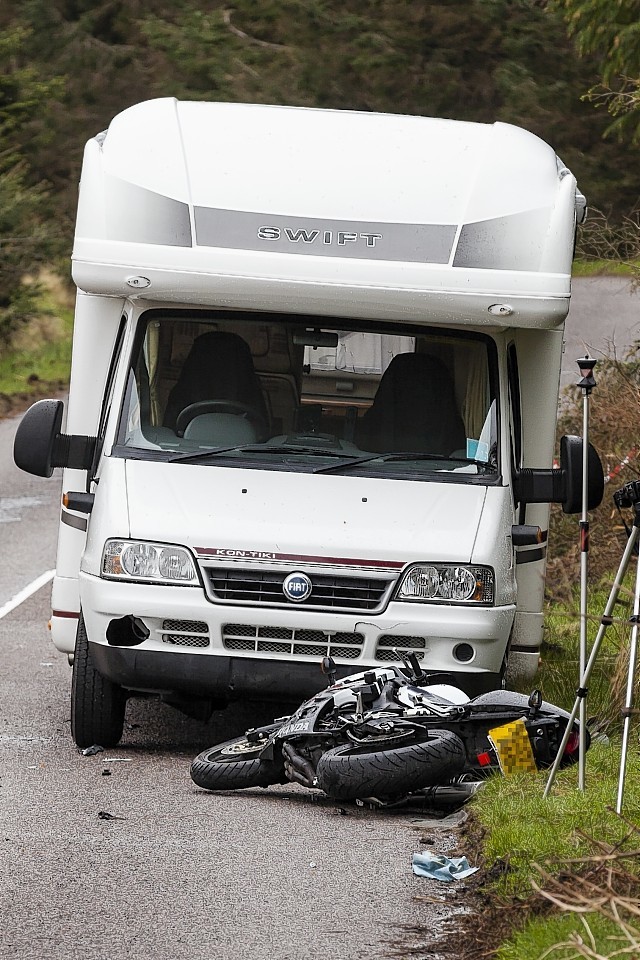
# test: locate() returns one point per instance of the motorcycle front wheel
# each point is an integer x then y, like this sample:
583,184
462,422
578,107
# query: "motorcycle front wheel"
235,765
351,772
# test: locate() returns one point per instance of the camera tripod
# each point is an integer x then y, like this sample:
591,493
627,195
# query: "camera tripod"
628,496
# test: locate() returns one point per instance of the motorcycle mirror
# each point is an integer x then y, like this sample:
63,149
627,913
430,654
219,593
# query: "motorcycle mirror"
402,656
418,673
535,702
412,665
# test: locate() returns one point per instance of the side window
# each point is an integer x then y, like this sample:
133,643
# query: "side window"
516,410
108,396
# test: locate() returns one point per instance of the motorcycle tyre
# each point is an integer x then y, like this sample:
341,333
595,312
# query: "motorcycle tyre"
215,769
350,772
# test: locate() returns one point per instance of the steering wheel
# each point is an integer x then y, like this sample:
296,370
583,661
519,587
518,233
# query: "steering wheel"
233,407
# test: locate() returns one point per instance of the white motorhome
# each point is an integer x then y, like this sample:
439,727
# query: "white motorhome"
312,407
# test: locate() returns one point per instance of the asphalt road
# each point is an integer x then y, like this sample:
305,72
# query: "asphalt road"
604,320
174,872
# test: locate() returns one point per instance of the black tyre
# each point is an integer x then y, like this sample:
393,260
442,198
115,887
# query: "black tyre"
97,704
351,771
235,765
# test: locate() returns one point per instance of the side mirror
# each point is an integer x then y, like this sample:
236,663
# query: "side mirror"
571,465
39,444
564,484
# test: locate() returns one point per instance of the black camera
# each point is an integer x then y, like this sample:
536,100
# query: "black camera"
627,496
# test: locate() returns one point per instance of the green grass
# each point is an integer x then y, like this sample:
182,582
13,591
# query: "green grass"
522,828
39,360
559,673
552,938
604,268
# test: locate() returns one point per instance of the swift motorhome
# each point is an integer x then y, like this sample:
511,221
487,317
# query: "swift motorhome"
312,406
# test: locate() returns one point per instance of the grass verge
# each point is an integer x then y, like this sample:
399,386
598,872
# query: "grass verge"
38,359
604,268
559,674
523,828
567,867
561,877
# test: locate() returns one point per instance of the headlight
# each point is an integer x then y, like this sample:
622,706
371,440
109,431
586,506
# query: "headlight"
447,583
153,562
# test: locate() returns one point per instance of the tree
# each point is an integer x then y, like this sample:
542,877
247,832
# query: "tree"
25,236
75,64
610,32
608,29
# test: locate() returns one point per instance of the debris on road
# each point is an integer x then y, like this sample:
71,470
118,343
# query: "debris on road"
438,867
448,822
91,751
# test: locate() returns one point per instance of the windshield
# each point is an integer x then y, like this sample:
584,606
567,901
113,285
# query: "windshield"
306,394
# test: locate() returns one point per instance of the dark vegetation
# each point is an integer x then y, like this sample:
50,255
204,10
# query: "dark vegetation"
613,430
68,66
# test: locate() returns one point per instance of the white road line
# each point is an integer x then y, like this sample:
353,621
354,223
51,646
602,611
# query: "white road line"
28,591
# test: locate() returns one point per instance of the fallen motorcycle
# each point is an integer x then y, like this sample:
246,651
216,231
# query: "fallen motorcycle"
390,733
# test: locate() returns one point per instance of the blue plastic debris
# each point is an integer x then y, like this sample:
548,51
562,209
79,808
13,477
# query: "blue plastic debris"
439,867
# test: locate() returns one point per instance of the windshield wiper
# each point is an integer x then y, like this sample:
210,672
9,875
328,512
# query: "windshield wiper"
211,452
390,457
253,448
300,448
383,457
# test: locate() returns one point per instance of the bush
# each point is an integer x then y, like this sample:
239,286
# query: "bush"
614,422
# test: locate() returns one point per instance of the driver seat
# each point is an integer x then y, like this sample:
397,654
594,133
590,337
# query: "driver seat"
219,366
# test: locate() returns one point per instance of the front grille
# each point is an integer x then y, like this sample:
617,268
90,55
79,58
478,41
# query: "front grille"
265,586
185,633
292,642
388,644
274,633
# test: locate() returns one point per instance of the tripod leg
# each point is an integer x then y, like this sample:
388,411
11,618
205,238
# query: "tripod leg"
628,705
586,384
604,623
584,547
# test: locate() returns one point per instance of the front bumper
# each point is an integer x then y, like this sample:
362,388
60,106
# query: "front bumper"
230,651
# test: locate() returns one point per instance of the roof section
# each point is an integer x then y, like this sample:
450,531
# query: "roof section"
324,197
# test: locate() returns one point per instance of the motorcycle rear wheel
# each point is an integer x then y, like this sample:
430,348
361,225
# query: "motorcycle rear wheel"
235,765
351,772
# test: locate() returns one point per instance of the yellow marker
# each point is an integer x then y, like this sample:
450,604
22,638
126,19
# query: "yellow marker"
513,747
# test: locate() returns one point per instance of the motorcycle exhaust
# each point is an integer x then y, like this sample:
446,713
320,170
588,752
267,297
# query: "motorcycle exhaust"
449,795
298,769
453,794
